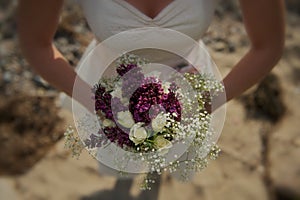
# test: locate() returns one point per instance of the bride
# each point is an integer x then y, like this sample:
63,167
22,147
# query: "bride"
264,22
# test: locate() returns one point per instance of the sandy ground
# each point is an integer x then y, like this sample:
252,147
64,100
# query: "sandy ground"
259,159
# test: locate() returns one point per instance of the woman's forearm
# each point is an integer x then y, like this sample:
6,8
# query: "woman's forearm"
264,22
55,69
37,23
51,65
250,70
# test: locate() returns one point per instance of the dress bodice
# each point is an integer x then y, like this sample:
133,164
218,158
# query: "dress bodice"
109,17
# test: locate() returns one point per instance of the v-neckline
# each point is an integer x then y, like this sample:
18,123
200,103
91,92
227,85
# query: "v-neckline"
138,12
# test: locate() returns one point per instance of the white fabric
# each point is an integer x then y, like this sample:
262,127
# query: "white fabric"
108,17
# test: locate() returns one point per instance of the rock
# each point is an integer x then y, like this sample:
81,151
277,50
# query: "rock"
29,126
266,101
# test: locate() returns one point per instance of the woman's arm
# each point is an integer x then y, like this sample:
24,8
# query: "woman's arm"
37,24
264,22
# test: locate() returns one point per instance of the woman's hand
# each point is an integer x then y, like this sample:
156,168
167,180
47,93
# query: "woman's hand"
188,69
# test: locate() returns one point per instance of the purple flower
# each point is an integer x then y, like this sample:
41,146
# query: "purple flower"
123,69
118,136
132,81
149,95
172,105
103,101
146,99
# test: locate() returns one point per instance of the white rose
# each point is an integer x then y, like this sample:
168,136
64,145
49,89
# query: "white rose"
125,119
162,145
137,133
108,123
159,122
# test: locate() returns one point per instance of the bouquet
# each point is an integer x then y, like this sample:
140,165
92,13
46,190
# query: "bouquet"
160,122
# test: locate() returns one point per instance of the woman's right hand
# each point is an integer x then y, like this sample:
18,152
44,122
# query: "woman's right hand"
188,69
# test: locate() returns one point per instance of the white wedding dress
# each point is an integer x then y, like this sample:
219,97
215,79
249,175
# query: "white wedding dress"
109,17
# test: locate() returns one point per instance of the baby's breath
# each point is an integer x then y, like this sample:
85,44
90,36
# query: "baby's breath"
73,142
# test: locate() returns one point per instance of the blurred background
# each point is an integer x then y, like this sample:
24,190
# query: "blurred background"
260,143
